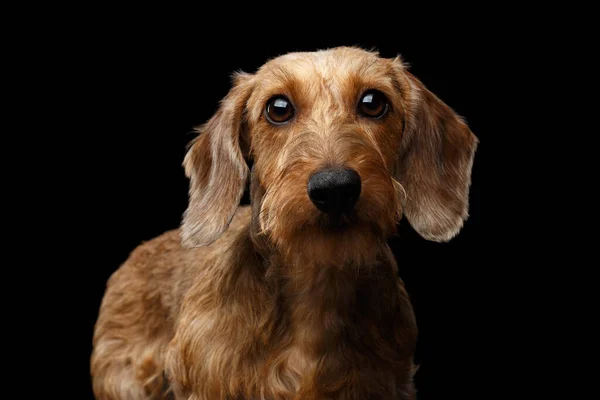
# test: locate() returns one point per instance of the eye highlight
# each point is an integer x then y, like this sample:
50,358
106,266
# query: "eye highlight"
279,110
373,104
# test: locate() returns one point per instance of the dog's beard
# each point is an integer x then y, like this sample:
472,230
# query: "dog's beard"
306,236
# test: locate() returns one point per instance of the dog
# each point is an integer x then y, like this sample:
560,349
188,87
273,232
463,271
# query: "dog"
296,296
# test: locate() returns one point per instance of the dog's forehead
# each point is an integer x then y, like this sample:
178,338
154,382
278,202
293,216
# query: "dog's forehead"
333,65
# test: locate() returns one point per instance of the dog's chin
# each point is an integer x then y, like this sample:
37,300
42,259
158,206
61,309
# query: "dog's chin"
366,220
328,240
336,222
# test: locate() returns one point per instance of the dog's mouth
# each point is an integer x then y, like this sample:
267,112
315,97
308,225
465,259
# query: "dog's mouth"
338,221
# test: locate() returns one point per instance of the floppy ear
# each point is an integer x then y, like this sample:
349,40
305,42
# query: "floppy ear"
434,166
217,169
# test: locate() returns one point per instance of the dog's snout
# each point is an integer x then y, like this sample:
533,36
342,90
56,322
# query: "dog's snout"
334,190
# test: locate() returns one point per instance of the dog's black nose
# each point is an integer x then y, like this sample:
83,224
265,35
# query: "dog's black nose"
334,190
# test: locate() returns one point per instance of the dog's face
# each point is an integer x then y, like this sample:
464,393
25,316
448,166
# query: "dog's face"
343,142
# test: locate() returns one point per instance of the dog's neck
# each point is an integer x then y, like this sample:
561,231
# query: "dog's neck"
320,302
326,313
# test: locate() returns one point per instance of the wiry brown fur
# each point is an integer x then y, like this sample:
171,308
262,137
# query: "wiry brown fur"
277,300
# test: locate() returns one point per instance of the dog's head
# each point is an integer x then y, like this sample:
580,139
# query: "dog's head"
343,143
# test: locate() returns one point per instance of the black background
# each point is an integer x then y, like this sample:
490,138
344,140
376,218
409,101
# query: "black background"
139,90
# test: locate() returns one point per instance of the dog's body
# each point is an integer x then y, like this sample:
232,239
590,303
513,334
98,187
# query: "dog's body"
296,296
247,333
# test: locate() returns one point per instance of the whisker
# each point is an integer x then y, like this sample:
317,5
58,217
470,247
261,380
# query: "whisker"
398,185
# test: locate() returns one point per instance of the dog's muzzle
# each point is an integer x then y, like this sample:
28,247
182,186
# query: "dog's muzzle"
334,190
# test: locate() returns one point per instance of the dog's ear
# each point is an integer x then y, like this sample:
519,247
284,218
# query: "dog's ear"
216,168
434,165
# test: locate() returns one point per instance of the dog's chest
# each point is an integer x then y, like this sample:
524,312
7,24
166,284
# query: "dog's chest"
320,346
285,366
292,371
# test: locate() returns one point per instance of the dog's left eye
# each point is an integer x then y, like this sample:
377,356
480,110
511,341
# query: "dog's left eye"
373,104
279,110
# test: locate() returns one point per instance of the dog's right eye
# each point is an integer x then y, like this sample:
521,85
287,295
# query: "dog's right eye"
279,110
373,104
